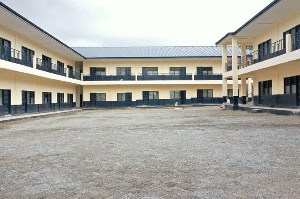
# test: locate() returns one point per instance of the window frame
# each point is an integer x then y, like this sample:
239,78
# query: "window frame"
153,95
120,97
174,71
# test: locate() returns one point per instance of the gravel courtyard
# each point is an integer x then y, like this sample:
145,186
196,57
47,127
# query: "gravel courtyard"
151,154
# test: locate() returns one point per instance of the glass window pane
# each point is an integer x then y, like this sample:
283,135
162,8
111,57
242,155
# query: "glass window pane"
121,71
172,94
210,93
177,95
287,90
293,89
1,98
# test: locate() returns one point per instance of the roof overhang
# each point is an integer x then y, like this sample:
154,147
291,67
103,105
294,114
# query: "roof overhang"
275,12
19,24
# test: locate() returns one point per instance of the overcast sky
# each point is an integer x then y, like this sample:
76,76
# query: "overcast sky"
138,22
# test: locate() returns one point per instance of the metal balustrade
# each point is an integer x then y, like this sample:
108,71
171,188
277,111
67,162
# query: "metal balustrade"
74,75
276,49
15,56
49,67
165,76
214,76
109,77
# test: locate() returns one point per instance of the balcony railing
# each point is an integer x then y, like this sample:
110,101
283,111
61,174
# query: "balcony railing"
214,76
164,76
276,49
15,56
74,75
49,67
109,77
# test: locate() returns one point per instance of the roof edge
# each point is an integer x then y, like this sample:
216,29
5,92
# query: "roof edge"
37,27
268,7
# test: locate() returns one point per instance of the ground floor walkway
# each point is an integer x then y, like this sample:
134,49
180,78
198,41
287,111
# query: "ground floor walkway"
194,152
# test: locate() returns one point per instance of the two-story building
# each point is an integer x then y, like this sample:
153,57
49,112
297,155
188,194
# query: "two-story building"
274,64
40,73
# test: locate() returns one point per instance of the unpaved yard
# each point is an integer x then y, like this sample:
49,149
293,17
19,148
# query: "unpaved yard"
151,153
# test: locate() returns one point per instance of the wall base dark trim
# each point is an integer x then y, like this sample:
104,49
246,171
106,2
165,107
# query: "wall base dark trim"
284,100
154,102
235,100
243,100
36,108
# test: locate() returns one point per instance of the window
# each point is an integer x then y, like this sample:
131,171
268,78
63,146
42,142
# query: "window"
121,97
1,98
121,71
27,56
207,70
174,94
230,92
46,97
30,97
153,71
153,95
295,34
174,70
265,48
208,93
46,61
101,71
60,67
61,97
100,97
70,98
290,85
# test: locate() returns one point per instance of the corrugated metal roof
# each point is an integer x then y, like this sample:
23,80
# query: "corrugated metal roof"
153,52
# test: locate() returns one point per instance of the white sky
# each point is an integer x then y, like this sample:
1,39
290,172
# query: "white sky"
138,22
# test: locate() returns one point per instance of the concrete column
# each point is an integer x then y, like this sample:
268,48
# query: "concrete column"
81,76
34,62
235,71
224,61
67,72
136,78
288,43
243,90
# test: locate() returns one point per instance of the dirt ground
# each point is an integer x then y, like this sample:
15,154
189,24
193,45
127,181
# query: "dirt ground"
151,154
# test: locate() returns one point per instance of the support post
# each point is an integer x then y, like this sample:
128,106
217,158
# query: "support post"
243,90
235,72
288,43
224,61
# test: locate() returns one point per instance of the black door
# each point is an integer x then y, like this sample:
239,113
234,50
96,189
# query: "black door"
182,73
182,97
46,63
145,97
128,99
298,90
6,101
59,100
199,96
260,92
200,72
93,100
24,101
127,73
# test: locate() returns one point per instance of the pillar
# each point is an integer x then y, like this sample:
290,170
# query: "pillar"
67,72
224,61
288,43
243,90
34,61
235,71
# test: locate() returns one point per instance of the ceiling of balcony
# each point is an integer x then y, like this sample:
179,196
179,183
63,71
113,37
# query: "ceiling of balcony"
264,20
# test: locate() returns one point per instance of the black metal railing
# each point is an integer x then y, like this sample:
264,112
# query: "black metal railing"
215,76
49,67
74,75
109,77
15,56
164,76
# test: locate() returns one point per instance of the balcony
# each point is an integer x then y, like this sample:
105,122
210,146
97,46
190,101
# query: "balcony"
214,76
49,67
164,76
109,77
15,56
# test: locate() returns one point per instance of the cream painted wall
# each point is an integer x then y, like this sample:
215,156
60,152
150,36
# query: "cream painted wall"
136,90
276,31
277,75
16,82
17,41
162,64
